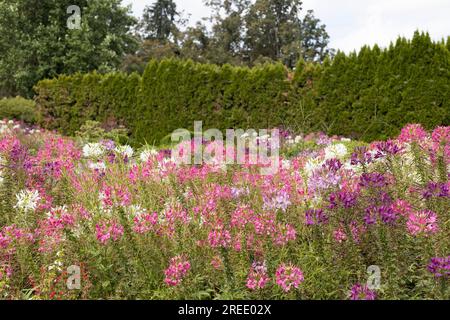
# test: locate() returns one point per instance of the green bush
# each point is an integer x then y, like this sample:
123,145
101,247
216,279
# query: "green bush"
19,109
368,95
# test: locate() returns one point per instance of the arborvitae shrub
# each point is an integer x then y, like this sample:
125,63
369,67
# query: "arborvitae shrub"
367,95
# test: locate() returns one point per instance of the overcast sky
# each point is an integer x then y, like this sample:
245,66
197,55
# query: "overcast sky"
354,23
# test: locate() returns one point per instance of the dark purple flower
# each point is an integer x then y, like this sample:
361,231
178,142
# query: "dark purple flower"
436,190
440,267
372,180
386,148
332,165
315,217
361,156
385,199
371,215
387,214
348,199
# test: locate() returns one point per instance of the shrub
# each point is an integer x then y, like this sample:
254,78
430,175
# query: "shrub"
19,109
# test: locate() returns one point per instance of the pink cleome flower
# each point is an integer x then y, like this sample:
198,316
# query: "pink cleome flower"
412,133
108,230
257,277
288,277
422,222
176,271
362,292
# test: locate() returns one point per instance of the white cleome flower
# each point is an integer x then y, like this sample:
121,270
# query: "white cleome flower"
124,151
93,150
286,164
136,210
312,165
336,151
298,139
100,166
27,200
146,154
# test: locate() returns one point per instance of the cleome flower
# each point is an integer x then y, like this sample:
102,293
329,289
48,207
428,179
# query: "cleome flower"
362,292
93,150
27,200
147,154
336,151
288,277
125,151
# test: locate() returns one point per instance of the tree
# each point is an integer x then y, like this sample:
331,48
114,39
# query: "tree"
273,31
37,42
314,38
159,21
228,30
196,43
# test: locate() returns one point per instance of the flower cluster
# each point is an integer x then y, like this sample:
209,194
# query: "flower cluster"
176,271
362,292
440,267
333,206
257,277
288,277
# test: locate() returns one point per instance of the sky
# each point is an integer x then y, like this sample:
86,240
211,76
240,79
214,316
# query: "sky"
354,23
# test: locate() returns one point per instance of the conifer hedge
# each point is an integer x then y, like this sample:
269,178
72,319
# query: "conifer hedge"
368,95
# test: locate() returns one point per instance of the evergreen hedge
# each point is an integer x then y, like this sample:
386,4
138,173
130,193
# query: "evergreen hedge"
368,95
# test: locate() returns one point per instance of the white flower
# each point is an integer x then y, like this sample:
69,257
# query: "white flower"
100,166
298,139
346,140
56,265
124,151
286,164
316,202
146,154
27,200
312,165
136,210
93,150
336,151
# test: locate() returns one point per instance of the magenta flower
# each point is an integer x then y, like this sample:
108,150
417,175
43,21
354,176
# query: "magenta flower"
219,237
339,235
412,133
288,277
108,230
257,277
422,222
362,292
176,271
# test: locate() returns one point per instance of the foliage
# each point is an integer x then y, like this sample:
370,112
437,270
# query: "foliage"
159,21
37,43
19,108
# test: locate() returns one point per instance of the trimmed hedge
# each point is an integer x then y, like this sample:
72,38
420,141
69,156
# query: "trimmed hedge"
370,95
171,94
374,93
